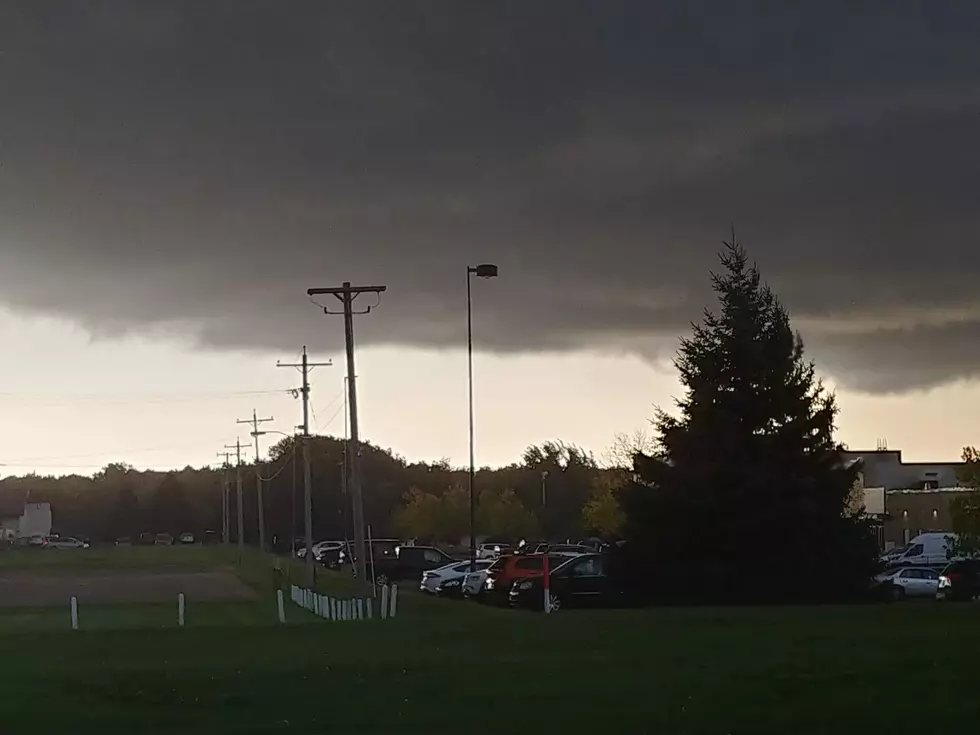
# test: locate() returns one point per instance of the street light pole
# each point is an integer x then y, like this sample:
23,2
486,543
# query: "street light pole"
486,270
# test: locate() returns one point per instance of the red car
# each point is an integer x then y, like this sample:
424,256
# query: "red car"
511,567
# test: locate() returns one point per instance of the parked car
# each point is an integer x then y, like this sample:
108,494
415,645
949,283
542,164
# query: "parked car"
473,583
447,581
124,541
960,581
910,582
211,537
581,581
409,562
323,547
163,539
491,550
379,548
146,539
186,538
64,542
511,567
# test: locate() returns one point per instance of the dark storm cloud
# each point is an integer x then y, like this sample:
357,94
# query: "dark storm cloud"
197,166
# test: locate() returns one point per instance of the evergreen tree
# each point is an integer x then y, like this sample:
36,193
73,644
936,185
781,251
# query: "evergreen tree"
744,497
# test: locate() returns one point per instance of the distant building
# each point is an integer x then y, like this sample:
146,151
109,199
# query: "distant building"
906,498
23,520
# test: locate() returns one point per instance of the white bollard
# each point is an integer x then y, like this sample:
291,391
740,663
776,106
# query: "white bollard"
394,601
360,609
316,604
384,602
282,608
74,613
333,609
324,612
346,609
327,609
370,611
180,609
294,594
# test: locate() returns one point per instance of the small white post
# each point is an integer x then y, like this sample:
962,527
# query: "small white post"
327,609
333,609
74,613
347,611
282,608
360,609
324,612
180,609
384,602
294,591
316,604
370,611
394,601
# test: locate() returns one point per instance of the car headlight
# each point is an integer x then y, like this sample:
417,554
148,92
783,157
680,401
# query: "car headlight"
489,584
451,583
524,585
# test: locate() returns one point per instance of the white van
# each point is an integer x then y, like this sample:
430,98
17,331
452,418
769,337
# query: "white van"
926,549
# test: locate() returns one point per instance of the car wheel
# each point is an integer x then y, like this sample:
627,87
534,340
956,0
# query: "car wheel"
381,580
898,593
554,603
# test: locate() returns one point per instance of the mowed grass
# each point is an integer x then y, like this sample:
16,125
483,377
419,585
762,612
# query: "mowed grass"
445,666
775,670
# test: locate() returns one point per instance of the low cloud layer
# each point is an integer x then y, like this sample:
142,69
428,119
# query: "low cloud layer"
198,166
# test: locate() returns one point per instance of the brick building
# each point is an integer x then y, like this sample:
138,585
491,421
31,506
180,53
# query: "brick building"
916,495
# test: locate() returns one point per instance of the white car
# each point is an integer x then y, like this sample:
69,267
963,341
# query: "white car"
473,582
491,551
453,573
65,542
911,582
320,548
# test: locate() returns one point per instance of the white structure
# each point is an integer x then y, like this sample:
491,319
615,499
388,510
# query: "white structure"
35,521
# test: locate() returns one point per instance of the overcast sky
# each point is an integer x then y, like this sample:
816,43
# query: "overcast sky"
175,175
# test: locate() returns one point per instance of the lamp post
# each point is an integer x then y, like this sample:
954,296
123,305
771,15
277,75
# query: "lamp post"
485,270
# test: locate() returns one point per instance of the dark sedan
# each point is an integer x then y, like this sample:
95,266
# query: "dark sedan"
582,581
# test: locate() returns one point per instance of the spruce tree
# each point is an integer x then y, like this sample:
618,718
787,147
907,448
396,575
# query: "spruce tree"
745,496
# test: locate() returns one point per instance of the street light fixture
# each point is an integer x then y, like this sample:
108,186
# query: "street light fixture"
485,270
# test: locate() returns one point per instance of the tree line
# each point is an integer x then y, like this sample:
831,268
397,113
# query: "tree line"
554,490
739,494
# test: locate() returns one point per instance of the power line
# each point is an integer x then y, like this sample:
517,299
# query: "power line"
54,399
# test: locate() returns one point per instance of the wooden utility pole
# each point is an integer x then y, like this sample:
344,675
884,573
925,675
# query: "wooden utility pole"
255,421
346,295
225,505
306,366
237,446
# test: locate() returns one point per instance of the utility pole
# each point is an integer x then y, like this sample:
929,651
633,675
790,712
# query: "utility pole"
346,295
225,506
255,421
237,446
305,366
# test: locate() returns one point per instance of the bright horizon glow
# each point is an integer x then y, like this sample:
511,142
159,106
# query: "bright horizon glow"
156,403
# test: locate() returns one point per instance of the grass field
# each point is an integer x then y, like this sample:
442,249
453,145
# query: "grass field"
457,667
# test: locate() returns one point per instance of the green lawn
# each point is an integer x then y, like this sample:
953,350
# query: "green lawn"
896,669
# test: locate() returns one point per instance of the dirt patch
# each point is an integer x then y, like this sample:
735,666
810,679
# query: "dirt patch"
21,589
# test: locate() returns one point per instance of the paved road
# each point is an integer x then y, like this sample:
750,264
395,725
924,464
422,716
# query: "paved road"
18,589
